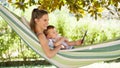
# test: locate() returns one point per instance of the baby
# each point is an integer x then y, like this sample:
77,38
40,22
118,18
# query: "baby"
55,39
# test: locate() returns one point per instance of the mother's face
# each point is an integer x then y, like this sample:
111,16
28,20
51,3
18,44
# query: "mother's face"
43,21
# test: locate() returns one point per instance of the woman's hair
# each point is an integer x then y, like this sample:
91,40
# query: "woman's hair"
48,27
36,14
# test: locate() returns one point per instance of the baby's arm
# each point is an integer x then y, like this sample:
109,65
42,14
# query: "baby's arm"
59,41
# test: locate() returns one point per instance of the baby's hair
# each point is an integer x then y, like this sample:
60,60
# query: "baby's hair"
48,27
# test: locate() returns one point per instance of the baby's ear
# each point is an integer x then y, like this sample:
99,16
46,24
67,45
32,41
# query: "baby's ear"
47,36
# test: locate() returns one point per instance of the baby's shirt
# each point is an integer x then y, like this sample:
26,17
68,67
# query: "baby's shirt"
50,43
63,43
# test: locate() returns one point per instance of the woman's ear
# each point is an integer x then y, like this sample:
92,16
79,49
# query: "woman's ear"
36,20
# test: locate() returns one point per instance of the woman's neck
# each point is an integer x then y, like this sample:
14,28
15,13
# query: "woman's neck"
38,30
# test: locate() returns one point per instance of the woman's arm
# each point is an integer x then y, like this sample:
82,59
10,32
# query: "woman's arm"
44,43
71,43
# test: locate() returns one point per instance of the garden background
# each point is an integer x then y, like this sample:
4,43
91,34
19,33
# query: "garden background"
102,27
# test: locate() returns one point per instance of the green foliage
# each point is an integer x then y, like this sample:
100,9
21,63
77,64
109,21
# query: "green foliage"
78,7
99,31
11,46
4,33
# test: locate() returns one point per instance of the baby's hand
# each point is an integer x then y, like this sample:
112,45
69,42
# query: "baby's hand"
63,46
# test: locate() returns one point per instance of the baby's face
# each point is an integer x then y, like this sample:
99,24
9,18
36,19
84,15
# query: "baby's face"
52,33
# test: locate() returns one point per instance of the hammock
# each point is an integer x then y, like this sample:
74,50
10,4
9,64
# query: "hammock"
64,58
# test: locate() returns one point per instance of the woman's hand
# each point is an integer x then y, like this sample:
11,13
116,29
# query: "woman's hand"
78,42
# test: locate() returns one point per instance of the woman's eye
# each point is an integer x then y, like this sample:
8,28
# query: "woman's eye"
45,20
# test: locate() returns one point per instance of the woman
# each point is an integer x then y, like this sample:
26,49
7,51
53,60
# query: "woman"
38,23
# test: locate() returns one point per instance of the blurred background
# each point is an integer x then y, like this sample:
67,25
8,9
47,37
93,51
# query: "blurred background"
101,18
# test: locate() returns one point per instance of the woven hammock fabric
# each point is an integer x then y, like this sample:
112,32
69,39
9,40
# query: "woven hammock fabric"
73,58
